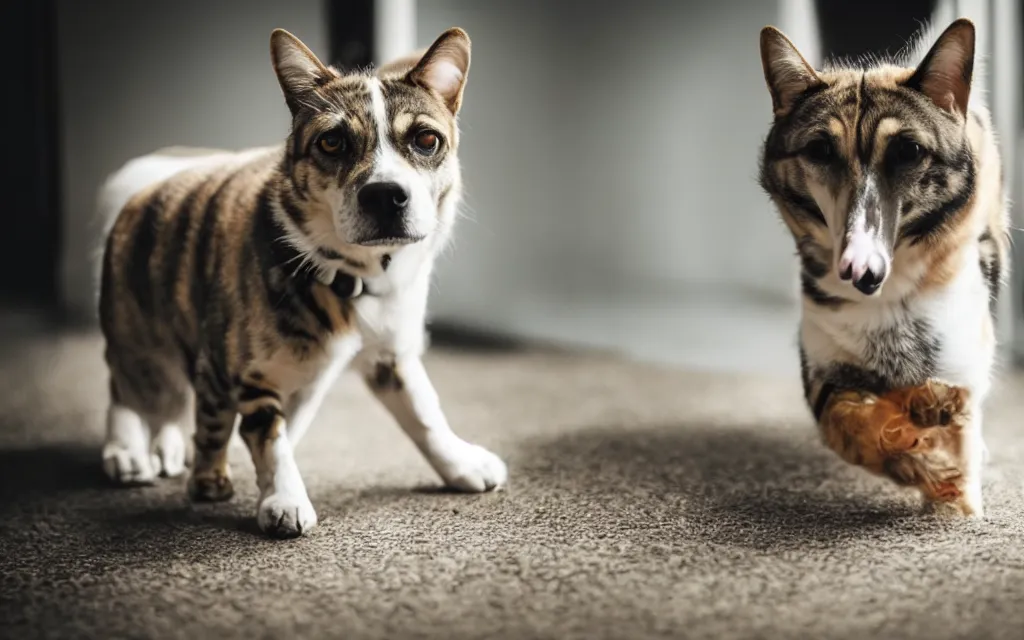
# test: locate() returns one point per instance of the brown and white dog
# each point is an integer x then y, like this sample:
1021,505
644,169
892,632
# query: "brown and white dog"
889,178
243,283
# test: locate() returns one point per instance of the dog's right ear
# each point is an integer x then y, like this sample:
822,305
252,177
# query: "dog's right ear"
297,69
786,71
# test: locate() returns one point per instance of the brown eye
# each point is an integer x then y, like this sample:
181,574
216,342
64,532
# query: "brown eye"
427,142
904,152
332,143
820,151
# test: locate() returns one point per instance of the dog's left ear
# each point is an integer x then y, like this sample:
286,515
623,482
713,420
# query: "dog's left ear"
444,67
945,73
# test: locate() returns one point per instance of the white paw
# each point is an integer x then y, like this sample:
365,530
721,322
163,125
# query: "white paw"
170,452
469,467
283,515
127,467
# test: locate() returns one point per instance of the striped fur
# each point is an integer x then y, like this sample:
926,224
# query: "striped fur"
889,178
240,284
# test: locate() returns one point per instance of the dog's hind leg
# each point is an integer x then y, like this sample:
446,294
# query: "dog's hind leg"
145,397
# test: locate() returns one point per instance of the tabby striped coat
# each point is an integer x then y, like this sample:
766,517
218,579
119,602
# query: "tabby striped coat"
241,284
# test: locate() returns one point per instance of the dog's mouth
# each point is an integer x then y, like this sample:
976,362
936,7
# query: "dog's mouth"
390,241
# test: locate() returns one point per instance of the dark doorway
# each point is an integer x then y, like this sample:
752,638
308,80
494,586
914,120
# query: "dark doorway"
31,209
850,29
351,33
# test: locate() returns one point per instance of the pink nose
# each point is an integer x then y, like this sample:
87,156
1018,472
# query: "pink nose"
863,264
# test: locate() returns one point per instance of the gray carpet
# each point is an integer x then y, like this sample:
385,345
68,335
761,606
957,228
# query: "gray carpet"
645,503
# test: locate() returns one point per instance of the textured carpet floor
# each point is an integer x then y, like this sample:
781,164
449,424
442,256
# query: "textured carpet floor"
644,503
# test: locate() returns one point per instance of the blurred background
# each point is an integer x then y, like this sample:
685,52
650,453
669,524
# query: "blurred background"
610,148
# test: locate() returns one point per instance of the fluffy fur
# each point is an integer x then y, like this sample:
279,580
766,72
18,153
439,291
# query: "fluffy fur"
888,175
241,284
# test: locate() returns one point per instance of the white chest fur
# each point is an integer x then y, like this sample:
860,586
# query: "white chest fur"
960,316
391,312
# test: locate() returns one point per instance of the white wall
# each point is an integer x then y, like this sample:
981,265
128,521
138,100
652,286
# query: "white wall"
514,138
610,154
138,75
666,118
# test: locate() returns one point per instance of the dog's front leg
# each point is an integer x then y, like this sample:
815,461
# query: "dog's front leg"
919,436
302,407
403,387
284,508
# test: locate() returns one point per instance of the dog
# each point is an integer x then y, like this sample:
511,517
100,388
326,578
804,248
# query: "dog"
888,176
240,284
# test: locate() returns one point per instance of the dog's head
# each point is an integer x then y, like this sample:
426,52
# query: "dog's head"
863,161
371,159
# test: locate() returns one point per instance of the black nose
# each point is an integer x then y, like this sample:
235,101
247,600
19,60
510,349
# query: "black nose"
383,199
869,282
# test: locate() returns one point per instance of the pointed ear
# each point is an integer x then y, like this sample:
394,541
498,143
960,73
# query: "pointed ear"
297,69
787,73
444,67
945,73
